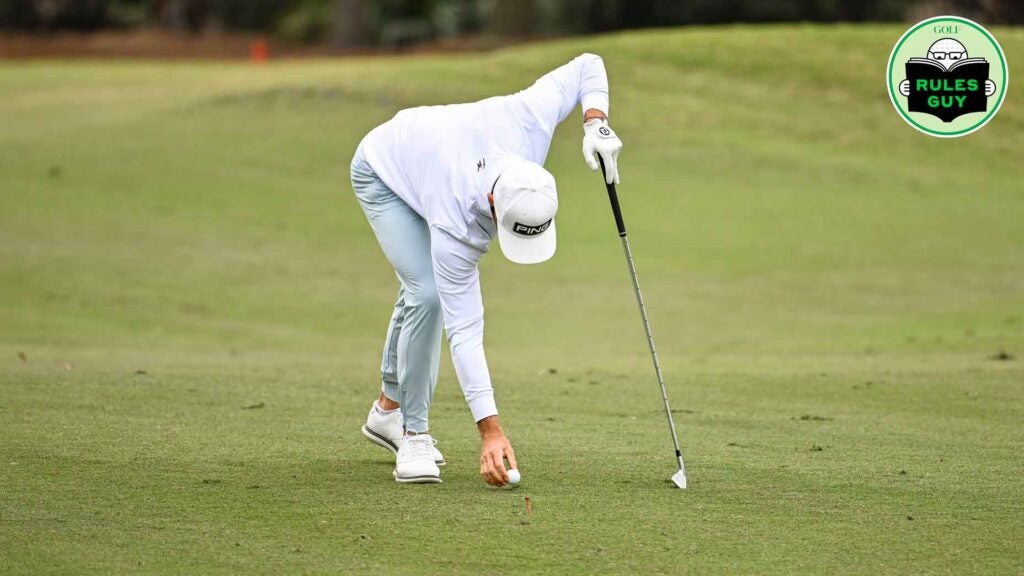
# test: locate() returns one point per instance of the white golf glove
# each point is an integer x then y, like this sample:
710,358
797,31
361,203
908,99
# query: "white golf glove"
599,140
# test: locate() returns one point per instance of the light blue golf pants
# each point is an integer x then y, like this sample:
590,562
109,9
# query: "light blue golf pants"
412,348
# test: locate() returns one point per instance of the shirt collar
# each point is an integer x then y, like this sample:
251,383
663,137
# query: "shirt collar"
488,177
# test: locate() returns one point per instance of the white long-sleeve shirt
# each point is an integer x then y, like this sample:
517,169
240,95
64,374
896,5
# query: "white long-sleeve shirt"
443,161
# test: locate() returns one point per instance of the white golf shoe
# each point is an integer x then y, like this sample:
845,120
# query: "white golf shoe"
415,461
385,430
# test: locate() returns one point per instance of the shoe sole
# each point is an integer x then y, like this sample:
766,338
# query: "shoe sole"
417,479
385,443
379,440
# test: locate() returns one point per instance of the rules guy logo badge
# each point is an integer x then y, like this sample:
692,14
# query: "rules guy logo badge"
947,76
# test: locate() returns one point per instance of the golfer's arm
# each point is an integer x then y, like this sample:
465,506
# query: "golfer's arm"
583,81
490,426
458,286
592,113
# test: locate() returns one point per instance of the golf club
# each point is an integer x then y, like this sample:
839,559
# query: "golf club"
679,478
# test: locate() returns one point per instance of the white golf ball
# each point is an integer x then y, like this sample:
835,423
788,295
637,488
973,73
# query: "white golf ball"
514,477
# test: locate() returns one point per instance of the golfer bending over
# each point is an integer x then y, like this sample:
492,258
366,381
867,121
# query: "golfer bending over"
437,184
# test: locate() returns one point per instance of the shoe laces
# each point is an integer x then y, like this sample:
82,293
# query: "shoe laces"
421,445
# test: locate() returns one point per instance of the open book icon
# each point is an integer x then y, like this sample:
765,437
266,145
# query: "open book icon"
947,93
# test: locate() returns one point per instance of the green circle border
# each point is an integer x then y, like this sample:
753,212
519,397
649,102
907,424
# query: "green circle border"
980,123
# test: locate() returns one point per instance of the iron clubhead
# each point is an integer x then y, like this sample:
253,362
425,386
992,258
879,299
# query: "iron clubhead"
679,479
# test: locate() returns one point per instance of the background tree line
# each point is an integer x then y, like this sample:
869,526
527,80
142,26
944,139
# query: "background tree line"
367,23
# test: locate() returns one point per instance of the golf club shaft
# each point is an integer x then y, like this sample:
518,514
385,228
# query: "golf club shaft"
613,197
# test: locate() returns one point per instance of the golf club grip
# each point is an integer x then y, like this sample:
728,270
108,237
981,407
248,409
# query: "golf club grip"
613,197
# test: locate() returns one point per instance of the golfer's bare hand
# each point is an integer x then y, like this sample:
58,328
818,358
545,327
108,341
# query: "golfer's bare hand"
494,450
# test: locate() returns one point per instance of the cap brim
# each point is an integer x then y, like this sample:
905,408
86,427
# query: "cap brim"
533,250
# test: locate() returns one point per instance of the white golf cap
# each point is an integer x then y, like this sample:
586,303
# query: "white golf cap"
525,202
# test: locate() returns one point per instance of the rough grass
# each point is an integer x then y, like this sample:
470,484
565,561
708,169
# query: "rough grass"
192,307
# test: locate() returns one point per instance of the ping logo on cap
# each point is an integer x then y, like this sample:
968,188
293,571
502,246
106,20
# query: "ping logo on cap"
530,230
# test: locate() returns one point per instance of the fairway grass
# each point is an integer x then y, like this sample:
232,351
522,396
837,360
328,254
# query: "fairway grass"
192,308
